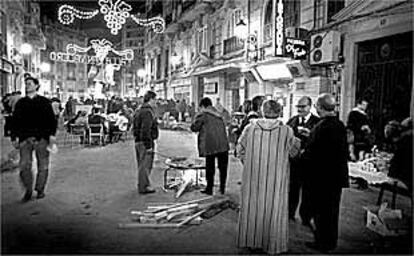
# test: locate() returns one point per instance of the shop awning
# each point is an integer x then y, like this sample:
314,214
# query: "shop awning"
272,72
223,67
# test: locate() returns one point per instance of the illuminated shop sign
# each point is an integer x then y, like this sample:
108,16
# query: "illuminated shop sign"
280,29
296,48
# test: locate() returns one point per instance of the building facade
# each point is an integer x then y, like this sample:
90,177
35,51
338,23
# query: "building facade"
133,37
201,54
378,65
21,42
64,79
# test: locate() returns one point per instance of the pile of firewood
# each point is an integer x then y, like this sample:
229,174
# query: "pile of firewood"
176,215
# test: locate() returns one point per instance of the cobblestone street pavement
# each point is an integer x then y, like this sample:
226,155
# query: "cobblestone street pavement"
92,189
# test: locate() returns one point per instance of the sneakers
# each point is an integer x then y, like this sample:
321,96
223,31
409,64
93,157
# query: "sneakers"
27,196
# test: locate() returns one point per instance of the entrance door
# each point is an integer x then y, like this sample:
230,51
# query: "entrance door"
384,78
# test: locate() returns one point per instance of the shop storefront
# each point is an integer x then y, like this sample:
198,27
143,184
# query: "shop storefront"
181,89
6,79
159,89
379,63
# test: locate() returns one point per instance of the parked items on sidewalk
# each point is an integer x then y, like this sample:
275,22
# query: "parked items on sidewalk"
177,215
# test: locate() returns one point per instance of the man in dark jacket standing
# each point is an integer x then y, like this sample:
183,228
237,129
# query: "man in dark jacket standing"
326,155
301,124
212,143
358,123
34,128
145,132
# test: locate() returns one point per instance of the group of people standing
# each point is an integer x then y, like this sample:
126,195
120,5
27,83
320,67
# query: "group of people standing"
278,160
307,153
304,160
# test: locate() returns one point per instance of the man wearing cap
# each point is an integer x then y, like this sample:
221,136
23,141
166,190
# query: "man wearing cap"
301,124
34,128
326,155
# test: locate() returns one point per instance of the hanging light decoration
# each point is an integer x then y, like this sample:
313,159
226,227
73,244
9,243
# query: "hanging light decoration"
115,15
67,14
156,23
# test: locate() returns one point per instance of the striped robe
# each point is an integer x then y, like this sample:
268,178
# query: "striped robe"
264,148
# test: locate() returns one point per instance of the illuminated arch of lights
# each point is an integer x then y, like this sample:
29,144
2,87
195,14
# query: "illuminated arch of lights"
115,15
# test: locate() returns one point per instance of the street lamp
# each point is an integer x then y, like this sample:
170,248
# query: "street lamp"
45,67
175,59
26,48
141,73
241,31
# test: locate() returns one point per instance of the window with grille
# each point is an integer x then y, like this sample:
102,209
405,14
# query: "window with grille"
268,23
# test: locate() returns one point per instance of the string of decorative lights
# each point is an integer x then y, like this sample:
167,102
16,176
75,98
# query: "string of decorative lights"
115,15
156,23
67,14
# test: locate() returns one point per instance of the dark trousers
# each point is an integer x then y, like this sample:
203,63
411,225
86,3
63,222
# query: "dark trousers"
327,218
222,159
42,155
145,161
299,188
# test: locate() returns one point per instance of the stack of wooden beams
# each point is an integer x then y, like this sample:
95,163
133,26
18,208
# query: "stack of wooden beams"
176,215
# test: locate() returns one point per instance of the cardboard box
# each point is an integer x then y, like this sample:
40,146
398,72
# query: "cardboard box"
385,221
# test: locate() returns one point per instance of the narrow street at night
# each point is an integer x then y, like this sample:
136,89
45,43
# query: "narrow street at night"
92,190
206,127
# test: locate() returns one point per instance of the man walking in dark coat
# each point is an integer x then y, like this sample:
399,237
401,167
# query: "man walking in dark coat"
145,132
326,156
212,143
34,129
301,124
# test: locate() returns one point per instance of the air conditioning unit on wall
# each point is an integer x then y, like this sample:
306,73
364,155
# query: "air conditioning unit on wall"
325,47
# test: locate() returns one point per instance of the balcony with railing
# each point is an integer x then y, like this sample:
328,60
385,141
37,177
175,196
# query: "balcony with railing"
232,44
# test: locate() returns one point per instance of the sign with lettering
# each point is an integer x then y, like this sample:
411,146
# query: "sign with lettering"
296,48
279,37
101,47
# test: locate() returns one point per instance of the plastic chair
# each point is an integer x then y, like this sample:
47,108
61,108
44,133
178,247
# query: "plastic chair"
96,131
75,131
